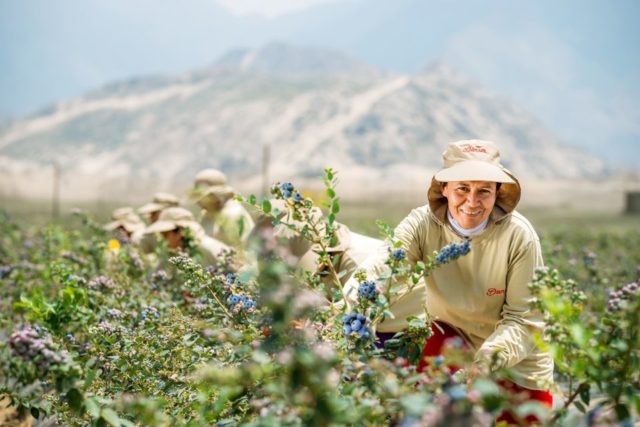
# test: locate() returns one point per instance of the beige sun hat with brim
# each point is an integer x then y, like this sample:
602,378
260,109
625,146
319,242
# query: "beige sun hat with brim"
126,218
175,217
160,201
210,182
474,160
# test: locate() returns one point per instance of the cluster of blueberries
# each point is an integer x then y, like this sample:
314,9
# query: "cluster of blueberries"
286,189
149,311
398,254
238,302
5,270
627,292
367,290
158,278
355,324
231,279
453,251
35,345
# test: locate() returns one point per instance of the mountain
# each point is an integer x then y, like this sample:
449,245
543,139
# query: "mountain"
313,108
286,60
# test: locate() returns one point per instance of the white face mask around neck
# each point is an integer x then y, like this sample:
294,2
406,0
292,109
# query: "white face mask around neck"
466,232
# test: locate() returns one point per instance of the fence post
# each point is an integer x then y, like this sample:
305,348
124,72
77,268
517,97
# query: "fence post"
632,205
55,197
265,169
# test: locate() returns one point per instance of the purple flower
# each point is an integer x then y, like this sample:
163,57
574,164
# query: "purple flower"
617,299
160,276
35,345
101,282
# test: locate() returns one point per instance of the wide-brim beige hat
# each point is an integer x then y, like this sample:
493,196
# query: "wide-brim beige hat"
160,201
473,170
126,218
210,182
222,192
150,208
472,160
130,226
172,218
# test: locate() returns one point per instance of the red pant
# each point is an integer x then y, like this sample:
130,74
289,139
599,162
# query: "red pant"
434,346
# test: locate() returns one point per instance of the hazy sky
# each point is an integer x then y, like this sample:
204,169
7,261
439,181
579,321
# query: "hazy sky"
574,63
269,8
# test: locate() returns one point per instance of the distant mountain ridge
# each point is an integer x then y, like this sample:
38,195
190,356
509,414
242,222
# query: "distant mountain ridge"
293,61
313,108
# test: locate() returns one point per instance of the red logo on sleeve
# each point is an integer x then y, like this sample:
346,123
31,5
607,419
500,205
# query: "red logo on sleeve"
493,291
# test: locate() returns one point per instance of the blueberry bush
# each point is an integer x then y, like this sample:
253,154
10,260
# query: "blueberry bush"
95,332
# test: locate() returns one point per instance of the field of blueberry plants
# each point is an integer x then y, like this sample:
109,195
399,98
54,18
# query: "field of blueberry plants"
97,333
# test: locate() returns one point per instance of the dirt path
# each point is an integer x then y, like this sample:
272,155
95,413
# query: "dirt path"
9,416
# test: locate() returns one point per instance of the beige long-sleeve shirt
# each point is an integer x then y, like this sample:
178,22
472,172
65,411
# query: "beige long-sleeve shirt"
231,225
484,295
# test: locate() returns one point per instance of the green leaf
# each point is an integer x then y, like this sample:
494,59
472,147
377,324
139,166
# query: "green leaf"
110,416
332,218
331,193
252,199
622,412
392,343
335,207
486,387
585,395
266,206
537,409
414,404
578,334
580,407
92,407
75,398
35,412
329,173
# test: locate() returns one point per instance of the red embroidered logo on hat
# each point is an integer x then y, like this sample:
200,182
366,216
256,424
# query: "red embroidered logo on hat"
468,148
493,291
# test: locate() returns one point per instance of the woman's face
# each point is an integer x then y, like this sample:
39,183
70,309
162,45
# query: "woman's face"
210,203
173,238
470,202
153,217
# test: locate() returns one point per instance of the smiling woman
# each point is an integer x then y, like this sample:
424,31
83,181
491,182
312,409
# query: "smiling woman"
481,299
469,203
